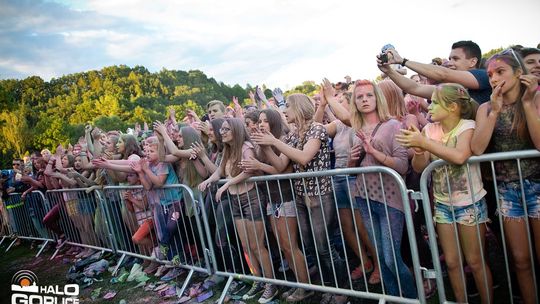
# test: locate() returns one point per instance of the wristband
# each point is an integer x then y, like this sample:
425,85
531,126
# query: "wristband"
404,61
418,153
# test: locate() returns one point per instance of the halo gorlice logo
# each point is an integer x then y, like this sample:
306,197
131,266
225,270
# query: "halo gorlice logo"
25,290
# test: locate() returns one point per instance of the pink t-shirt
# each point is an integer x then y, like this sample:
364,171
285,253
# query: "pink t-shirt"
384,140
247,150
461,187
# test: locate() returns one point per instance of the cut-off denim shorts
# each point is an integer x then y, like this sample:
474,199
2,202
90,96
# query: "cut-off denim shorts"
511,203
342,191
469,215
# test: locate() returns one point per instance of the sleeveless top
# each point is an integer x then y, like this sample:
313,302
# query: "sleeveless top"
505,139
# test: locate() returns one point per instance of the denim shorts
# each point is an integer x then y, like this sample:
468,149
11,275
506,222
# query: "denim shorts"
342,191
511,203
469,215
284,209
247,206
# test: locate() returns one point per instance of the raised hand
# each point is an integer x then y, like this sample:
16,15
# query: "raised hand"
394,57
198,149
263,138
260,95
327,90
496,100
202,126
71,173
172,113
412,104
278,95
144,164
356,151
250,165
99,163
366,141
193,115
411,138
96,133
159,127
136,166
531,83
59,150
237,107
252,97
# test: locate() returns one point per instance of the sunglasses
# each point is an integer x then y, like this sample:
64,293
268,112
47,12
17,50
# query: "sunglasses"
224,130
16,164
510,51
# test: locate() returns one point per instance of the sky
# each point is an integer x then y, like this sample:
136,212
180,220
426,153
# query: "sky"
276,43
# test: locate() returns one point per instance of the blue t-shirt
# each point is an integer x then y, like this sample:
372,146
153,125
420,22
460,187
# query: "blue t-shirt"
483,93
165,196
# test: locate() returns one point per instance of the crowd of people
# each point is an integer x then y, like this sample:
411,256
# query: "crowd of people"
449,109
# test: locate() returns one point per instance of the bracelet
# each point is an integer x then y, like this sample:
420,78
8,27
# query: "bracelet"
418,153
384,160
404,61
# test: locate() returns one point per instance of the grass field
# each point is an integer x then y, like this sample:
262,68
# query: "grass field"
53,272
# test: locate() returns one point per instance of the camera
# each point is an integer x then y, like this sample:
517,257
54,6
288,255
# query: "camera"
384,58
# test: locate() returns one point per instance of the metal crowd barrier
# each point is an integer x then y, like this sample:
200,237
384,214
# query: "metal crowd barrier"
79,217
490,257
24,218
238,245
175,221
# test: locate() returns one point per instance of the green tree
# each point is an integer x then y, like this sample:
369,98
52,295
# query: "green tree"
14,131
309,88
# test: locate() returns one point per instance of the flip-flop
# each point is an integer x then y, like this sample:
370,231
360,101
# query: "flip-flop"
150,287
168,292
205,296
195,290
109,295
161,287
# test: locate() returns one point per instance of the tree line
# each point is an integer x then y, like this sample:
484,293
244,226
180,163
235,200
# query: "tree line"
36,114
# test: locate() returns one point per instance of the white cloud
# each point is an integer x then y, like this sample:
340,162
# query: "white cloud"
275,42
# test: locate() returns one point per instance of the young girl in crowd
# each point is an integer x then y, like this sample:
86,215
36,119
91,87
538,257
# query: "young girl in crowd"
245,204
190,172
137,203
307,147
347,207
510,122
165,202
461,208
382,211
211,158
280,208
77,213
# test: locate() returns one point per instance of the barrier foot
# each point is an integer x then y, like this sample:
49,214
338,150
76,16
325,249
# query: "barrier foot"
9,247
42,247
57,250
118,264
186,282
225,290
3,238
